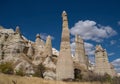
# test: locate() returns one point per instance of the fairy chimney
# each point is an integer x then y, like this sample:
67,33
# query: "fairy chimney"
64,67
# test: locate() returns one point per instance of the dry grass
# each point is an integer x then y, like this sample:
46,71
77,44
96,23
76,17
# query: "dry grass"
7,79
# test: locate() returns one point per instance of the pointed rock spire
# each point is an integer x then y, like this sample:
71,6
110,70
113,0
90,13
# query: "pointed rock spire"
48,47
65,58
17,30
102,64
38,40
80,56
99,48
38,36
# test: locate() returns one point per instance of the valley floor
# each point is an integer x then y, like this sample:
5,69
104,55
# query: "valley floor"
11,79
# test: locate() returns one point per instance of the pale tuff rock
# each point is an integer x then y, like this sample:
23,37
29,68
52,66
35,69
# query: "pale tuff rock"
49,64
113,70
2,39
102,64
80,59
12,49
30,52
7,31
118,74
49,75
48,48
38,49
55,52
80,56
38,40
50,69
25,66
64,67
39,45
17,30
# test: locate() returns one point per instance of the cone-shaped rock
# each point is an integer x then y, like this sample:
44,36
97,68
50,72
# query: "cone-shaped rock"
80,56
101,60
38,40
64,68
48,47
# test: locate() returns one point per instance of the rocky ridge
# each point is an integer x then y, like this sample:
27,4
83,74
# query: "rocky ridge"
26,54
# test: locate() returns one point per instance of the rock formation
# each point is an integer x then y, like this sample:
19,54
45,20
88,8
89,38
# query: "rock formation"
39,49
17,30
80,56
28,55
48,48
30,52
102,64
12,48
64,67
48,63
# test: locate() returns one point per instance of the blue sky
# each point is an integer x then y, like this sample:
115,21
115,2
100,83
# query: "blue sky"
99,21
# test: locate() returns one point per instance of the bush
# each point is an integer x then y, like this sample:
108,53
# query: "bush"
20,72
6,68
39,71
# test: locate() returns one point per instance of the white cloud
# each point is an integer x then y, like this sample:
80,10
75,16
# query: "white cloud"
72,39
90,30
92,59
119,23
110,54
116,64
44,36
89,48
112,42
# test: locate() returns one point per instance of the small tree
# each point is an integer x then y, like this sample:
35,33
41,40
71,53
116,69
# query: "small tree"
6,68
20,72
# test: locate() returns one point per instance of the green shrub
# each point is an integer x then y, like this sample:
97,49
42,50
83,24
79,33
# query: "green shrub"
20,72
6,68
39,71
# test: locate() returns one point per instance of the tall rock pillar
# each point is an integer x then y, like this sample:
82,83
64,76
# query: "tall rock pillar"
80,56
102,64
65,68
48,47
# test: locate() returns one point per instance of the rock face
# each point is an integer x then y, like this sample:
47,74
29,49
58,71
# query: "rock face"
64,67
38,50
30,52
25,55
80,56
102,64
12,47
48,47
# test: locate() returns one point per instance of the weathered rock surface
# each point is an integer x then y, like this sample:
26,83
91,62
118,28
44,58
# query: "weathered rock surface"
102,64
64,67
